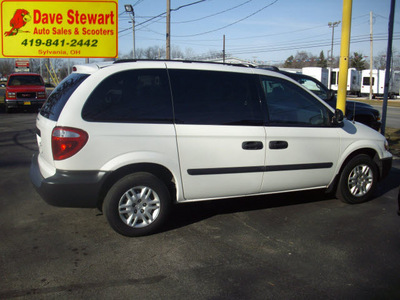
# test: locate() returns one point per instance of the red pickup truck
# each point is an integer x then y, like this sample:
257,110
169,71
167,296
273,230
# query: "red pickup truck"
24,90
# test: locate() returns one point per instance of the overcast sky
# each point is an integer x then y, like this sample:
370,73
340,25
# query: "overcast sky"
263,30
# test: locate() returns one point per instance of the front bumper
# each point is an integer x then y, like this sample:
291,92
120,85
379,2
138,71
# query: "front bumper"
384,167
24,103
68,188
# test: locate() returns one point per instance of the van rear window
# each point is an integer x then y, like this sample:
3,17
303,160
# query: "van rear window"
58,98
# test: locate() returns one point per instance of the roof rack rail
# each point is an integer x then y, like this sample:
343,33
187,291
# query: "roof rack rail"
184,61
266,67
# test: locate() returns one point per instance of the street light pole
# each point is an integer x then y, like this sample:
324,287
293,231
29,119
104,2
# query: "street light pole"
333,25
129,9
168,34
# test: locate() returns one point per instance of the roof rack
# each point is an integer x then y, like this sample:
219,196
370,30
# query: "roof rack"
184,61
266,67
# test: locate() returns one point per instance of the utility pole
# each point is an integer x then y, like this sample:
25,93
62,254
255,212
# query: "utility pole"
129,9
333,25
168,46
388,60
371,58
223,50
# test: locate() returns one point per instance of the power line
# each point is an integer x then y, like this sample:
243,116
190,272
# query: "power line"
283,46
162,14
186,5
264,35
223,27
213,15
137,2
309,45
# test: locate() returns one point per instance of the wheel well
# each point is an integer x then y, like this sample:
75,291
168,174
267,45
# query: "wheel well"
370,152
157,170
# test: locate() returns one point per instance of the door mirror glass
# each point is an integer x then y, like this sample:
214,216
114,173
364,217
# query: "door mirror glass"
337,118
331,95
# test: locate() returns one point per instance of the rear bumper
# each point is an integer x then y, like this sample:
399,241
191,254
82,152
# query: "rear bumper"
68,188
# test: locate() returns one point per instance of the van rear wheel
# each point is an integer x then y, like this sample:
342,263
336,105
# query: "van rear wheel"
137,204
358,180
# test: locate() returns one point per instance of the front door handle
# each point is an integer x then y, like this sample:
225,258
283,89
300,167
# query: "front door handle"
252,145
278,145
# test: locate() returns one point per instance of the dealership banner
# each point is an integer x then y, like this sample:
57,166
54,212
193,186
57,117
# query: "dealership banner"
86,28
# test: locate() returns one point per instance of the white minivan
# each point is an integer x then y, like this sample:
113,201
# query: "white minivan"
135,137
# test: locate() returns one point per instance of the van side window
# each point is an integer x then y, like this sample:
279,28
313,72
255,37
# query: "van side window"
215,98
366,81
131,96
290,105
333,77
314,87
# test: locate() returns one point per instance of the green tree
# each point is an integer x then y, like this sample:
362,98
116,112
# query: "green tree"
322,62
288,62
357,61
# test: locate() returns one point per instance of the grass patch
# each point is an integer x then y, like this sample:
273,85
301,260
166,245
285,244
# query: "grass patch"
391,103
393,137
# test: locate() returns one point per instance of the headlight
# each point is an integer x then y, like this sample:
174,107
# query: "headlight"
386,145
41,95
10,95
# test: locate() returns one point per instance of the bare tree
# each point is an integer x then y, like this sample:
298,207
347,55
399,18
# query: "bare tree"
6,66
176,53
380,60
189,54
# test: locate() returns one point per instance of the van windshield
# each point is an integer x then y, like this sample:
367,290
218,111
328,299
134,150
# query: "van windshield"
58,98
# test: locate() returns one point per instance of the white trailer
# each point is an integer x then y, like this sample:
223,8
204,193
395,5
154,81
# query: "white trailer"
353,81
321,74
291,70
378,83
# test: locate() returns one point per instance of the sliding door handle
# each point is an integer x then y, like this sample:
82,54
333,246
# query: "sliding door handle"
252,145
278,145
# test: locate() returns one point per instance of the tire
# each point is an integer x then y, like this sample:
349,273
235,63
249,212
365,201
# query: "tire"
137,204
358,180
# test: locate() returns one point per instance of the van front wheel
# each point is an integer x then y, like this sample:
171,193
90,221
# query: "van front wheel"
358,180
137,204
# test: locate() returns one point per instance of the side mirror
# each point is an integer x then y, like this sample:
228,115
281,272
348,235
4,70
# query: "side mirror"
337,118
331,94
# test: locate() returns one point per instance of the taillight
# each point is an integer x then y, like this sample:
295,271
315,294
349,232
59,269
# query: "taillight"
66,142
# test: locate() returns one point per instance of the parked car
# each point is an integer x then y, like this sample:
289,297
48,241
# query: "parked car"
357,111
24,90
133,138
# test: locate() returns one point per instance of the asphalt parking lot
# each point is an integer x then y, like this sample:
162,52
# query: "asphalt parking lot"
303,245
